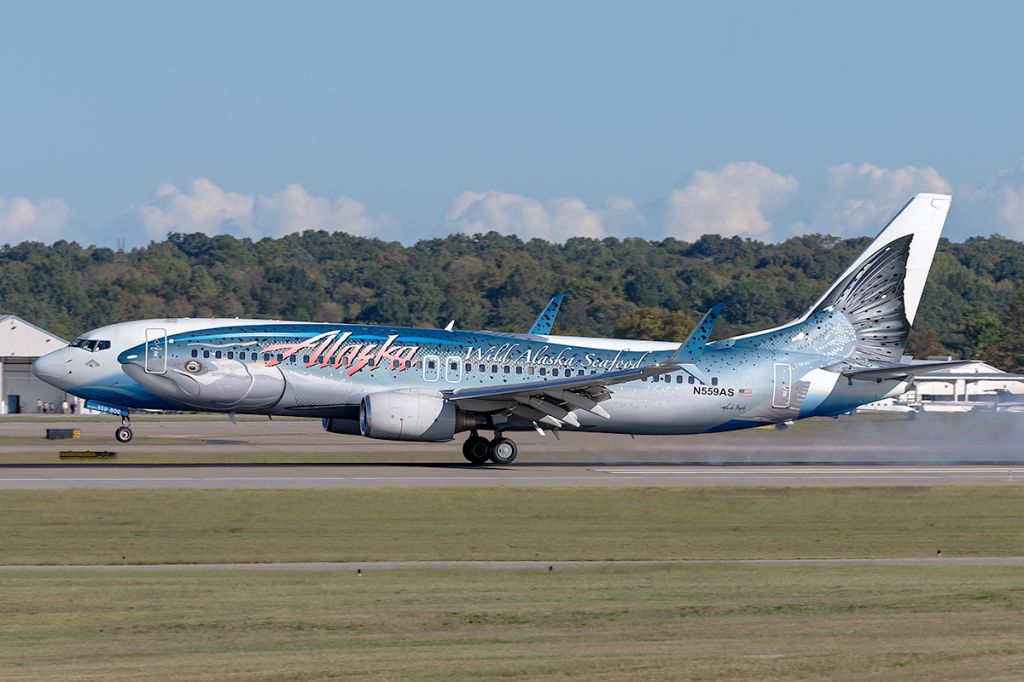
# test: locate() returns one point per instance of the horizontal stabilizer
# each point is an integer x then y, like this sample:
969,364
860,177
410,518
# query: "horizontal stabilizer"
690,351
903,371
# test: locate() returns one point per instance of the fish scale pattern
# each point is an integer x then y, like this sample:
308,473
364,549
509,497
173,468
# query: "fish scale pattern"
871,298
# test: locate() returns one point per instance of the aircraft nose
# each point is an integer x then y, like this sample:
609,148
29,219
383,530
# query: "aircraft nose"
49,367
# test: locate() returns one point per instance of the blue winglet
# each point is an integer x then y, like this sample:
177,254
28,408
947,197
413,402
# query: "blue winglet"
546,320
691,350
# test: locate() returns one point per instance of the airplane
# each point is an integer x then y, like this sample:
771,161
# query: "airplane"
88,368
412,384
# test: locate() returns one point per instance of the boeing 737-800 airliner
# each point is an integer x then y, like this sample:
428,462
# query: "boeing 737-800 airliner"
403,383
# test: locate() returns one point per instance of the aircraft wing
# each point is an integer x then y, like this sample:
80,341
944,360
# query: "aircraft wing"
902,371
546,320
553,401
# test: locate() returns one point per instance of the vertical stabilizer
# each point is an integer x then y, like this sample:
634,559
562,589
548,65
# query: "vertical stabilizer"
864,318
903,250
879,294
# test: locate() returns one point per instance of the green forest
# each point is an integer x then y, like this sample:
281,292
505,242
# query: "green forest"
972,306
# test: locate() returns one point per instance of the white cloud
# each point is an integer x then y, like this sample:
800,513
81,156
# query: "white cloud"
555,220
21,220
860,199
205,207
202,207
735,199
996,206
741,198
292,209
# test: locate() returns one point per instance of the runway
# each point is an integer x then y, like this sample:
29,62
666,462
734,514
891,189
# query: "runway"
63,476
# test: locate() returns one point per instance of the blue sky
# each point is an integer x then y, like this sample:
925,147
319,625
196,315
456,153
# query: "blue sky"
552,119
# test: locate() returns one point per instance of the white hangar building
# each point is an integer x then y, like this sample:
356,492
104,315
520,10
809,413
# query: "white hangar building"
20,343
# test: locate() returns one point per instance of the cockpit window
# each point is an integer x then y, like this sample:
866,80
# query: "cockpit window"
91,345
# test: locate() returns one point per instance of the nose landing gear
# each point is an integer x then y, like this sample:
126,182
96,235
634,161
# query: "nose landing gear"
478,450
123,433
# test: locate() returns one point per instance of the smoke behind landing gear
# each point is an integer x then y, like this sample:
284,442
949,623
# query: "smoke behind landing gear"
931,438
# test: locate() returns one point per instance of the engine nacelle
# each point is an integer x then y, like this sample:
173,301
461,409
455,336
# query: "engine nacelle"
408,415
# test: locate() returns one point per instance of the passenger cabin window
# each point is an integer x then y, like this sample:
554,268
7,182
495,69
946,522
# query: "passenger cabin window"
217,355
231,355
554,372
543,371
519,369
714,381
679,379
692,380
255,356
206,353
195,353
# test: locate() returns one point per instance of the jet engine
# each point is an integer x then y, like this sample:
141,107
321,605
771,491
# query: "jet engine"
409,415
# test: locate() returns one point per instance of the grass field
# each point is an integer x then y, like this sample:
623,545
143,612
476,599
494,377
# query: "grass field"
664,623
694,622
199,526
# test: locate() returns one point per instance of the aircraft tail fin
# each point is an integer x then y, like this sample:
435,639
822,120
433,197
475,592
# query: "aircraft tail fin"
897,261
864,319
879,294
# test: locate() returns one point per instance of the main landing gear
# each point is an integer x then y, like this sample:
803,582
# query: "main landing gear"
123,433
478,450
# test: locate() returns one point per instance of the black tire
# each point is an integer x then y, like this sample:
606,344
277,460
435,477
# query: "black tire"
476,450
123,434
502,451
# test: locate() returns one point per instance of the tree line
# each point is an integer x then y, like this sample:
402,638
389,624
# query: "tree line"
972,306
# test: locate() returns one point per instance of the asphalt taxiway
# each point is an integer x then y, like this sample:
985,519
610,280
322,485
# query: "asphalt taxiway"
58,476
510,564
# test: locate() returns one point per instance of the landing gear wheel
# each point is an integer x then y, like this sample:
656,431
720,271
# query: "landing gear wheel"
123,434
475,450
502,451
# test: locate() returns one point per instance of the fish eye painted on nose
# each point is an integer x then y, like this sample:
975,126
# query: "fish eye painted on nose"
210,384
